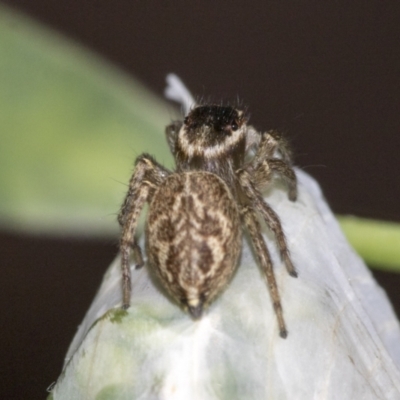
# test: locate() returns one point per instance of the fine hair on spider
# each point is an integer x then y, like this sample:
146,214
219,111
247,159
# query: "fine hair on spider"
196,212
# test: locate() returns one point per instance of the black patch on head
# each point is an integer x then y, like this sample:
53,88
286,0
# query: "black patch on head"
219,118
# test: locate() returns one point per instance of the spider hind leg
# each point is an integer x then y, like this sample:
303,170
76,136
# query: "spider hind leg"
253,226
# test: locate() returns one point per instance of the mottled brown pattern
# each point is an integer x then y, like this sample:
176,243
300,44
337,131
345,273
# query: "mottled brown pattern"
199,230
193,228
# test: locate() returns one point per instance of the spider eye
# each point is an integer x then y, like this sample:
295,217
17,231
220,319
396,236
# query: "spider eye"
234,126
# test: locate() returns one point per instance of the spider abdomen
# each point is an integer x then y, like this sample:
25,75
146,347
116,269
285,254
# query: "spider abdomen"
193,237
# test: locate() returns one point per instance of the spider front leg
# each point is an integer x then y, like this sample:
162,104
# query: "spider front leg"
272,141
250,220
270,217
282,168
148,175
264,164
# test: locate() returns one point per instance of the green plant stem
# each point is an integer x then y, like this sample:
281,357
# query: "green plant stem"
377,242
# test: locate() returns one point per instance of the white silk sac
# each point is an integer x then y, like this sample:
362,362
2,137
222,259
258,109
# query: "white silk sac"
343,337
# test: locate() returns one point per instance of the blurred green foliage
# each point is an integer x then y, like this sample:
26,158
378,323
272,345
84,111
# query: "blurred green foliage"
378,242
71,127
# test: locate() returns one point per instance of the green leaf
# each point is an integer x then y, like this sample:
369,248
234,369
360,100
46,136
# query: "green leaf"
378,242
71,127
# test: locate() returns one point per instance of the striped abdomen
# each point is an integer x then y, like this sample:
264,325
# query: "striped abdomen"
193,237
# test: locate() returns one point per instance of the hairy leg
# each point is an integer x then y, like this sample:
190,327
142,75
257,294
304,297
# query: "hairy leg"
265,163
264,259
270,217
148,174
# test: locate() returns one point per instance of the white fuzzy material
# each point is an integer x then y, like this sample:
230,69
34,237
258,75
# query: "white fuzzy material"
343,340
177,91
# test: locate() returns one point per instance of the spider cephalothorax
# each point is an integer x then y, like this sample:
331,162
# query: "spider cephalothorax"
193,229
211,138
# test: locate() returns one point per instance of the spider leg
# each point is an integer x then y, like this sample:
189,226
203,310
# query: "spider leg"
269,143
147,176
281,145
137,256
264,171
264,259
171,133
137,251
265,163
269,216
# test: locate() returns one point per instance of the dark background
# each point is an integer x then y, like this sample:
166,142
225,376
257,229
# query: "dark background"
327,73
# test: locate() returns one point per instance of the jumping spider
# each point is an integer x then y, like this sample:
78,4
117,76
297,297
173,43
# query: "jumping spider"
193,229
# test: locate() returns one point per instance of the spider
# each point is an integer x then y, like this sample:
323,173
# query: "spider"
196,212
